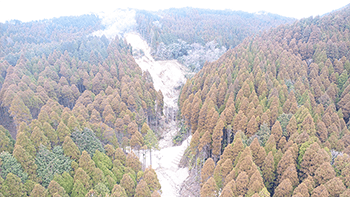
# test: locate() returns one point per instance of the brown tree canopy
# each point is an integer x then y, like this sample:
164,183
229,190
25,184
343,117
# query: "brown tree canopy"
207,170
209,188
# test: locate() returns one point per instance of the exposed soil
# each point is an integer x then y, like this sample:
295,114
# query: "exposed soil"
167,76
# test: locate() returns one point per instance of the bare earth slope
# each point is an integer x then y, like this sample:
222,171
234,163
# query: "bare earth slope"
167,76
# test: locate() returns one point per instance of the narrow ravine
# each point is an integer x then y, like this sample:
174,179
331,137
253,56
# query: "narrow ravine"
167,76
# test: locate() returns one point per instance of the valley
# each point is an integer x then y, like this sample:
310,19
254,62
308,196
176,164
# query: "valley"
176,102
168,76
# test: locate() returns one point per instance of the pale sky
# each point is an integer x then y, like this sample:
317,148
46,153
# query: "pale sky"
28,10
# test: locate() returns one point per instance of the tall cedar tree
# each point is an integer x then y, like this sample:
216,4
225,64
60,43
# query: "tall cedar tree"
70,148
142,189
268,171
242,184
209,188
151,141
207,170
217,138
38,190
285,188
151,179
26,160
258,152
128,184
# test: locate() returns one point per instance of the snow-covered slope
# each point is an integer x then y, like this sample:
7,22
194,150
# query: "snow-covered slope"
167,76
165,162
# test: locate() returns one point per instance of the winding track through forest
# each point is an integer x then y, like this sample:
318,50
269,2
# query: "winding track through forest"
167,76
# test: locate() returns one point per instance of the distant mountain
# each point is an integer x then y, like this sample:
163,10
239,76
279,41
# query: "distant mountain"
39,38
192,35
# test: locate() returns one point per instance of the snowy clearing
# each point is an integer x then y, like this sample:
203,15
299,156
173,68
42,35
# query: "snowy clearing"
167,76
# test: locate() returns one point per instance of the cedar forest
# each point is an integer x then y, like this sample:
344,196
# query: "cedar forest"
270,117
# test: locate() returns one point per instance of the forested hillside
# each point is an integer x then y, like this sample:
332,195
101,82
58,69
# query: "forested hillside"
43,37
271,116
70,105
194,35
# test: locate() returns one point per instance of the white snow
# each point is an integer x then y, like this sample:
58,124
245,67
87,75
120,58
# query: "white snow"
165,162
167,75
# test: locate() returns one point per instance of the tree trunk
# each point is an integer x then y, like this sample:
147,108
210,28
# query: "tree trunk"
144,160
150,157
156,122
229,131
